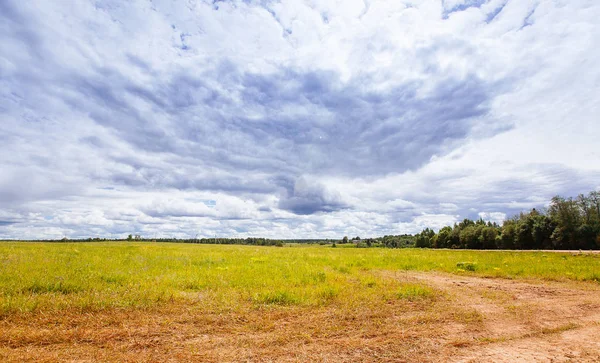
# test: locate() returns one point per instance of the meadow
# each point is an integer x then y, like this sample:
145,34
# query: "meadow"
91,276
349,294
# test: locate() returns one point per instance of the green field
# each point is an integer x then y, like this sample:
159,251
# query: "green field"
97,276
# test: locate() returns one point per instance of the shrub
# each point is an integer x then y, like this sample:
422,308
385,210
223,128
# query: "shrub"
467,266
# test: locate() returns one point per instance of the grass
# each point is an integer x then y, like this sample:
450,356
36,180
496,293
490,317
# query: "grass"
96,276
127,302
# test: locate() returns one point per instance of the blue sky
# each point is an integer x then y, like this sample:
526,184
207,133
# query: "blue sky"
294,119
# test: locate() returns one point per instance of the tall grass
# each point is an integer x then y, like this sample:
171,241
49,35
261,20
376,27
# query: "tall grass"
50,276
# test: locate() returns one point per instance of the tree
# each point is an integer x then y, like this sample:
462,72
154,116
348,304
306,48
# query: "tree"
469,237
594,198
130,237
524,237
568,223
488,237
508,235
465,223
444,238
345,239
565,214
424,238
587,237
586,207
541,231
455,238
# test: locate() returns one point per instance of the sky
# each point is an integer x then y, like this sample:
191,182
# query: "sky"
291,119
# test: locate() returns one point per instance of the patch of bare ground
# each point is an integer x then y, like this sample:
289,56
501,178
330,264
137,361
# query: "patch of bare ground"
522,321
469,319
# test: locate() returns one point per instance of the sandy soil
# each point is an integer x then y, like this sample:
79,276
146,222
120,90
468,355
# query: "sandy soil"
471,320
524,321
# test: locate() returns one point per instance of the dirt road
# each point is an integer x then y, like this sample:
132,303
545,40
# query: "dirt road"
522,321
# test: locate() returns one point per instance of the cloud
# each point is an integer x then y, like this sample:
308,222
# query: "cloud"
308,197
497,217
299,119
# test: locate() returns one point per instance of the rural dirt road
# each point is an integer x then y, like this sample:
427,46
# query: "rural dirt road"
523,321
472,319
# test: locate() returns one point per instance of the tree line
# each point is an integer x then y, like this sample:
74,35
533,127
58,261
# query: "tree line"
398,241
252,241
568,223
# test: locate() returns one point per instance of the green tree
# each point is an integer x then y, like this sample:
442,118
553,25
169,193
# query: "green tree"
587,237
423,239
488,237
444,238
469,237
508,235
594,200
565,214
541,231
465,223
455,237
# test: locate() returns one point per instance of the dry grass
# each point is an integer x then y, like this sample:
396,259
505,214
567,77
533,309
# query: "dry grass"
462,321
398,330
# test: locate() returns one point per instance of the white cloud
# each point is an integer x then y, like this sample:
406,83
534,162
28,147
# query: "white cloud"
300,119
497,217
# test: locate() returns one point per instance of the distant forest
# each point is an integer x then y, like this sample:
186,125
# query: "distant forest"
567,224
